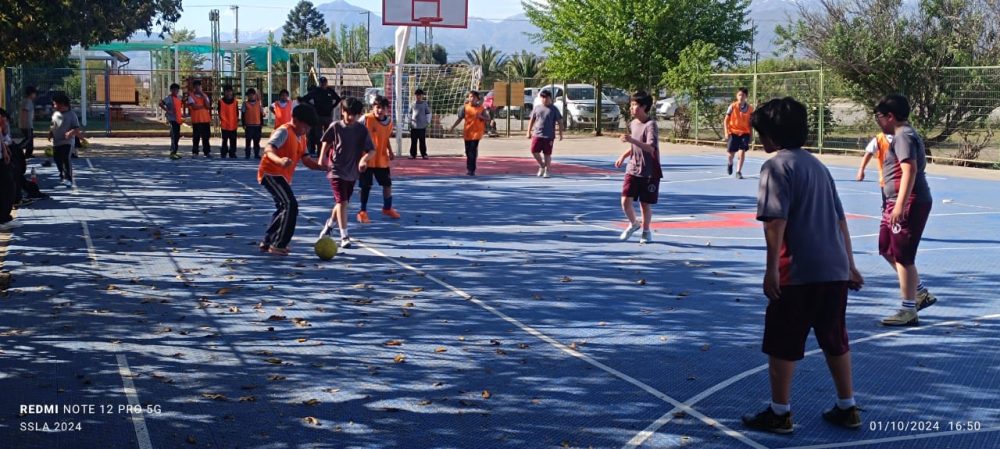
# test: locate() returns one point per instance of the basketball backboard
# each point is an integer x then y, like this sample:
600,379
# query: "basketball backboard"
430,13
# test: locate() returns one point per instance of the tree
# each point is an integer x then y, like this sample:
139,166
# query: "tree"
434,55
44,30
879,47
304,22
630,44
525,65
490,59
690,78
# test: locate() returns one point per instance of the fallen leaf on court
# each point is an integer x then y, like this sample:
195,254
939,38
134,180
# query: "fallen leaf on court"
214,396
663,338
276,318
417,289
438,384
441,349
276,377
224,291
642,282
602,323
406,313
248,398
486,394
692,378
190,440
273,361
536,296
331,390
399,358
409,304
523,345
263,352
112,287
234,309
536,401
705,347
495,342
424,402
311,402
566,279
680,415
311,420
177,355
394,343
301,322
301,340
683,294
501,352
461,338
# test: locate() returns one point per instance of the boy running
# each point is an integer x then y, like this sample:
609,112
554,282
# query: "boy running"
64,131
379,126
282,109
810,266
906,207
346,148
876,148
542,132
252,113
420,118
475,117
229,122
284,150
199,103
643,174
174,109
736,127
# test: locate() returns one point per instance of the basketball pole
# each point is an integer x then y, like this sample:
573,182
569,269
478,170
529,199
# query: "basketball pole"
402,42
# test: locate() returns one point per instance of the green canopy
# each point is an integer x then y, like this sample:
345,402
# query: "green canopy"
258,53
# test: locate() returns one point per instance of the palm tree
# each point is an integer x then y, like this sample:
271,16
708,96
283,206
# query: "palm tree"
490,59
525,65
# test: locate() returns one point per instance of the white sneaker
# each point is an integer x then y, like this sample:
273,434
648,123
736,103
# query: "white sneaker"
345,242
15,223
545,174
647,237
326,228
627,233
541,171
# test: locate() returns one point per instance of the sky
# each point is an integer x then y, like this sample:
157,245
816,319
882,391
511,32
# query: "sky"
267,14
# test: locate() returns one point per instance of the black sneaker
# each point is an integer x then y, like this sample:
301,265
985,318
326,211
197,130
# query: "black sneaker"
729,169
768,421
847,418
423,157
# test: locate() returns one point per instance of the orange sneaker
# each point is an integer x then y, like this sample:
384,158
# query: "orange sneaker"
363,217
391,213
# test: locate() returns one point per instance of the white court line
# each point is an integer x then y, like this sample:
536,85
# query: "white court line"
138,421
894,439
91,252
551,341
648,432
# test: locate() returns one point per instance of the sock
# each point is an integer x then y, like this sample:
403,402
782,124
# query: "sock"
910,304
780,409
387,203
343,233
845,404
920,287
364,199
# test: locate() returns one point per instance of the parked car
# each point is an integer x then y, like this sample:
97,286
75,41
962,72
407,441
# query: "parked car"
619,96
581,105
666,108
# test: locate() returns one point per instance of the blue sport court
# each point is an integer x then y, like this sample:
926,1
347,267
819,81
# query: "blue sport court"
500,312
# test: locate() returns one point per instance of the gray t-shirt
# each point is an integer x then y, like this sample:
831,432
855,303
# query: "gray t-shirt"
26,118
545,118
168,104
906,145
348,144
62,122
795,186
420,115
645,164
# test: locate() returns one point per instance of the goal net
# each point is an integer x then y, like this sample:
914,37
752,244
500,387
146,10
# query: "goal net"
445,87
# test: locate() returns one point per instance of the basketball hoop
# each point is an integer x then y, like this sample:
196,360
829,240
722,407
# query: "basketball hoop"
426,13
427,21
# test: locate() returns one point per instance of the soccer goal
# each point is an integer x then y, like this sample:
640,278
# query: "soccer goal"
445,88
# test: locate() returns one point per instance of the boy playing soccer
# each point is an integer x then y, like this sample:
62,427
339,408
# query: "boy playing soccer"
876,148
64,131
736,127
284,150
906,207
346,148
200,105
379,126
228,120
542,132
643,174
810,265
252,113
282,109
174,109
475,117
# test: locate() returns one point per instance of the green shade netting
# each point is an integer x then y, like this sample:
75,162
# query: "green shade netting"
258,53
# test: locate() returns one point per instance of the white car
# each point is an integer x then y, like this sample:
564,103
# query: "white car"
666,108
581,106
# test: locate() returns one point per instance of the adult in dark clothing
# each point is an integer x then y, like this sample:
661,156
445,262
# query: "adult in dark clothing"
325,99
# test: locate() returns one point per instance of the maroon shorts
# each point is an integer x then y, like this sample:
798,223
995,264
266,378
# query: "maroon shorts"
542,145
646,190
900,242
342,190
820,306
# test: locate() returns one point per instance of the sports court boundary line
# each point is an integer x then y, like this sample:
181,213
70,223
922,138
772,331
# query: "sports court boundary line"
138,421
547,339
648,432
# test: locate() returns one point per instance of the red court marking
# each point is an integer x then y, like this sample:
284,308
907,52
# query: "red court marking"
720,220
485,166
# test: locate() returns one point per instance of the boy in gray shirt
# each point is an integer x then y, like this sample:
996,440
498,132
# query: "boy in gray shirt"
542,132
420,118
346,148
65,128
810,265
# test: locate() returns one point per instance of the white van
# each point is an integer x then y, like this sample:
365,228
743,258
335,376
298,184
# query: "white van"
581,105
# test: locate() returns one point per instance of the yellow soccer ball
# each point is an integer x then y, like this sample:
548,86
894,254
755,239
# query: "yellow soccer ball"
325,248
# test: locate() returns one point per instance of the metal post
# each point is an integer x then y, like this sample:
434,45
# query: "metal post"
177,65
288,76
696,130
270,95
107,100
598,109
83,87
509,103
822,106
